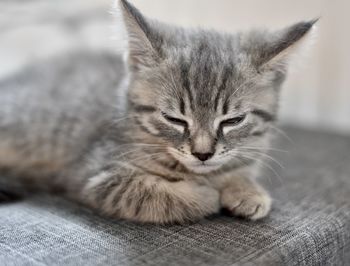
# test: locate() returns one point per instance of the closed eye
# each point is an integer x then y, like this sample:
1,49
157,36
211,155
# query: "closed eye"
174,120
233,121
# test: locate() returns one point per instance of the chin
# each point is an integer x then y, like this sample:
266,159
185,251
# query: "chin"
203,169
195,166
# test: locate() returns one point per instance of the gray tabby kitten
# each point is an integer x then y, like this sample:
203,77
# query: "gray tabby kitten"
174,137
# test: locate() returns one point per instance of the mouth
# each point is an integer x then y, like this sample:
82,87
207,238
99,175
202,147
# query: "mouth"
203,167
195,166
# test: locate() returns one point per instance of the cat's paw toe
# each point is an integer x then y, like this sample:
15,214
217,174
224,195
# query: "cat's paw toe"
249,205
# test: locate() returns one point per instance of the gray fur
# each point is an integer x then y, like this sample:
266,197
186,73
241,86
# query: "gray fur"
175,137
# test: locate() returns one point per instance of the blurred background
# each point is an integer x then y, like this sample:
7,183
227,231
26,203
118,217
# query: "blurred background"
317,94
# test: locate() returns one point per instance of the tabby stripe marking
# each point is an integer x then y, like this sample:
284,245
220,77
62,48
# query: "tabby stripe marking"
264,115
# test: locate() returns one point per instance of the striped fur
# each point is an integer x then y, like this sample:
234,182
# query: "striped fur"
174,137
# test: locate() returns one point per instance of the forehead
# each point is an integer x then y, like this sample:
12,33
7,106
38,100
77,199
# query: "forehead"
204,73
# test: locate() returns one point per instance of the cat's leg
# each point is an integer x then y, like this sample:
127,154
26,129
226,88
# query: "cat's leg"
147,198
244,197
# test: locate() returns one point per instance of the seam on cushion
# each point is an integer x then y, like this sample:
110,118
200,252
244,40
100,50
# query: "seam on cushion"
256,254
271,248
329,243
290,236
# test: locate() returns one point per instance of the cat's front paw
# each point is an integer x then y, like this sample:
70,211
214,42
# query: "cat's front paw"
150,199
250,204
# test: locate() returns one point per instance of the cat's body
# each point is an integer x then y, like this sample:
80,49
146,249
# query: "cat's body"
177,137
51,114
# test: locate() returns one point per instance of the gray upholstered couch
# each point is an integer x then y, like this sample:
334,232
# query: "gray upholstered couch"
309,224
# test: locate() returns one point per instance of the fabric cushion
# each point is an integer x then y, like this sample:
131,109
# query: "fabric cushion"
309,223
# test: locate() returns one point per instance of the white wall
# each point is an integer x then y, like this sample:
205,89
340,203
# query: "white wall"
317,93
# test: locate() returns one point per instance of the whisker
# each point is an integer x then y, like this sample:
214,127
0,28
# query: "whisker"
139,147
282,133
142,145
263,163
146,156
242,161
263,149
128,152
269,157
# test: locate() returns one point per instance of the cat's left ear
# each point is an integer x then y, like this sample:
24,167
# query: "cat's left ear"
143,38
272,50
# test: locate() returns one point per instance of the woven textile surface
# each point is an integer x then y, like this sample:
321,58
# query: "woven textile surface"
309,224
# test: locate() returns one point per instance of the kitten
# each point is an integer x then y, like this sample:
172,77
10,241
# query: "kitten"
173,137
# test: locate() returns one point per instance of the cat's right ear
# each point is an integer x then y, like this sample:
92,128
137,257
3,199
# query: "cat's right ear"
273,50
142,38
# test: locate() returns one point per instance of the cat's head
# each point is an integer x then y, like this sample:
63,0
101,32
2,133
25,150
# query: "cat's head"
210,98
